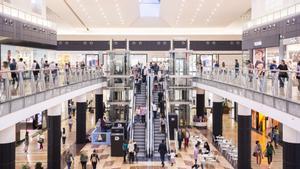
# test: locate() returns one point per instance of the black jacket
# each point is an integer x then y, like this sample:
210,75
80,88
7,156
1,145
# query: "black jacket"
162,149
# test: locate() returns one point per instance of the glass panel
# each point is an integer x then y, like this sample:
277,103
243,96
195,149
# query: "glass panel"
284,13
277,15
297,8
14,12
6,10
292,10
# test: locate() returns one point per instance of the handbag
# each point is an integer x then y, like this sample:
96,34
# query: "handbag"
254,154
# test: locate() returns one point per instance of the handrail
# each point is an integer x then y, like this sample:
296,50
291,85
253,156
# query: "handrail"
167,115
131,124
277,83
19,83
149,118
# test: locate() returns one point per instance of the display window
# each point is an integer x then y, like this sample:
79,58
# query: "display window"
292,55
9,52
263,124
272,54
90,58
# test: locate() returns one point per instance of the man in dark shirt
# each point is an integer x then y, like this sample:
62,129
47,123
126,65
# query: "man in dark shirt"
162,149
13,67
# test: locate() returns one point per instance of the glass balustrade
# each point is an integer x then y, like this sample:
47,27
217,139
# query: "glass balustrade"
15,84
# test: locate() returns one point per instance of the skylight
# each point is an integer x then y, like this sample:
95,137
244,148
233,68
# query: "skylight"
149,8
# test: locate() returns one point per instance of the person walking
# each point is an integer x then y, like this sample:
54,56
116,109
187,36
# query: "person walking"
70,122
26,142
258,152
236,68
125,150
41,140
162,149
283,74
163,122
83,160
136,151
63,136
5,75
131,151
13,68
196,153
186,138
298,74
69,159
276,136
273,69
269,153
94,159
179,138
172,157
154,110
36,70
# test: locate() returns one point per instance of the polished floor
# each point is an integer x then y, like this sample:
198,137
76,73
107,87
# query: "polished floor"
230,132
183,160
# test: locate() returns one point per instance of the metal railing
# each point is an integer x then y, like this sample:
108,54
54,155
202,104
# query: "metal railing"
150,129
20,83
167,115
277,83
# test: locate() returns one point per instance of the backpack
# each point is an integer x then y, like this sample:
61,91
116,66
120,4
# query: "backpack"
94,158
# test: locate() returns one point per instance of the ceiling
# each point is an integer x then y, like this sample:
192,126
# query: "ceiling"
83,15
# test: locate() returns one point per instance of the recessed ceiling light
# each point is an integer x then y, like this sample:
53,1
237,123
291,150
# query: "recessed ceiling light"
218,4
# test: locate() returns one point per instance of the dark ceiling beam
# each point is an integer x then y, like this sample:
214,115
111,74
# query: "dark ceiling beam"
79,19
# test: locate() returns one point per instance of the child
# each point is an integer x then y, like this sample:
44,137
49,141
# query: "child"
172,157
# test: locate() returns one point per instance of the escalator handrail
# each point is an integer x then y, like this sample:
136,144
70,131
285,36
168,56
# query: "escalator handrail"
148,117
167,115
132,112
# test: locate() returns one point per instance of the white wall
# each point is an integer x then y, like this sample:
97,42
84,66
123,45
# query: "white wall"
264,7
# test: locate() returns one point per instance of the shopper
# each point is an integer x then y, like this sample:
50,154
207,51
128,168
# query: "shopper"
125,150
70,122
269,153
46,71
131,151
196,153
73,106
250,67
163,122
63,136
236,68
36,70
206,148
162,149
13,68
26,142
83,160
41,140
298,74
179,138
258,152
94,159
186,138
172,157
138,114
154,110
20,68
276,136
273,70
283,73
136,151
69,159
5,75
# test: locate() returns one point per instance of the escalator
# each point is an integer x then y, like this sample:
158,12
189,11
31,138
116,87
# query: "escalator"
139,135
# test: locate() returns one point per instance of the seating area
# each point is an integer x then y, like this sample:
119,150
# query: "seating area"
228,149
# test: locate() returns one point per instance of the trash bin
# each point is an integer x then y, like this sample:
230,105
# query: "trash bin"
117,139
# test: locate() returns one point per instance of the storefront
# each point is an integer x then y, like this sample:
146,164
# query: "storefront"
263,124
292,51
9,52
90,58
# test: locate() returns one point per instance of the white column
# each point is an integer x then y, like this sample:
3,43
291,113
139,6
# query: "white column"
243,110
8,135
290,135
55,111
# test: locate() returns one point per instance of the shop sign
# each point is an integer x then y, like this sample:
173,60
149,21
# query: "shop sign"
290,41
258,43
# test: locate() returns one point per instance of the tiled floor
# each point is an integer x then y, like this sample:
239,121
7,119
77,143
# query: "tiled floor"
184,159
230,131
35,155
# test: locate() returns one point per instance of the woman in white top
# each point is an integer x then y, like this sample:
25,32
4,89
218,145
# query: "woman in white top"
70,122
5,75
